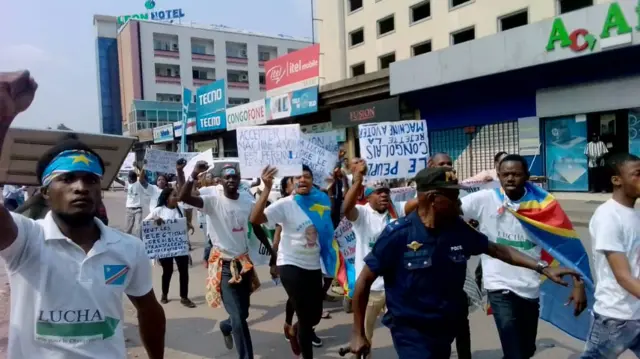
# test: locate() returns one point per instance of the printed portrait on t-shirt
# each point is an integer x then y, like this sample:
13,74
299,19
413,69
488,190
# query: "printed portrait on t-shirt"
237,223
311,236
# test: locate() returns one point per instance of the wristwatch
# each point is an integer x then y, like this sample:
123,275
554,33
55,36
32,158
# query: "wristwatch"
541,266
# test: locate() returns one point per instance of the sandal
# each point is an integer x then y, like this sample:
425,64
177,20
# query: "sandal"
291,334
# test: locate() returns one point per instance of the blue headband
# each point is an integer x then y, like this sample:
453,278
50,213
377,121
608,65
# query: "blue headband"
229,171
71,161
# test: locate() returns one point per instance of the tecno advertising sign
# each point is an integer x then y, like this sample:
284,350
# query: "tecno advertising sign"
152,14
294,71
250,114
211,103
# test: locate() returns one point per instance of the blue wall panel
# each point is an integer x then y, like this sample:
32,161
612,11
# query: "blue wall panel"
109,84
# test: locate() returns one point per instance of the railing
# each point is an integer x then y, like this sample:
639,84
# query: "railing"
160,79
241,85
167,53
203,57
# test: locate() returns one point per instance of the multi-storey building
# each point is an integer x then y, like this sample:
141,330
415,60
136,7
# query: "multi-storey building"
364,36
109,108
156,59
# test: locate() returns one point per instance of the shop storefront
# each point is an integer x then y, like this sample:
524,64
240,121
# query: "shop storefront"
163,138
576,77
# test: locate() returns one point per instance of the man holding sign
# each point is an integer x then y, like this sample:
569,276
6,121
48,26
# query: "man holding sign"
232,277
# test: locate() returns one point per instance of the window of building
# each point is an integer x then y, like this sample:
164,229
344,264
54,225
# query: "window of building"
386,25
235,101
198,49
566,6
203,75
357,69
237,76
262,79
386,60
356,37
168,97
264,56
456,3
516,19
421,48
291,50
355,5
420,11
461,36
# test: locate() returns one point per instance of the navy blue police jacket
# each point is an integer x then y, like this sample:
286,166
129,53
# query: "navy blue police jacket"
424,270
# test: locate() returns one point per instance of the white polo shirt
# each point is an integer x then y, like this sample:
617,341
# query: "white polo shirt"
66,303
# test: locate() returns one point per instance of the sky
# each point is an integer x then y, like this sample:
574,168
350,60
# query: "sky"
58,45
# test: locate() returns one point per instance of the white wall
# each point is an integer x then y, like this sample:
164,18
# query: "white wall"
185,33
483,14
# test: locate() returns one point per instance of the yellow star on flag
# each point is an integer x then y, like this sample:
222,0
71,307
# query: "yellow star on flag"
319,208
81,158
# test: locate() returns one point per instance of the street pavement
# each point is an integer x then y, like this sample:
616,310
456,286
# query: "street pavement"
194,333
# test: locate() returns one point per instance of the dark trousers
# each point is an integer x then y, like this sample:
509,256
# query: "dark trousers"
167,271
424,343
596,180
236,301
463,333
304,288
517,322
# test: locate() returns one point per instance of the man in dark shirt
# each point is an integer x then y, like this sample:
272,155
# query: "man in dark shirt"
423,259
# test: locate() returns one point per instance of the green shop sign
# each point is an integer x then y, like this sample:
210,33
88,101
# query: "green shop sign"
158,15
581,39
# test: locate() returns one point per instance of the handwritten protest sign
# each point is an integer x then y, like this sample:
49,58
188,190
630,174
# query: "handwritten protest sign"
164,161
327,140
129,161
319,160
394,149
167,240
263,146
206,156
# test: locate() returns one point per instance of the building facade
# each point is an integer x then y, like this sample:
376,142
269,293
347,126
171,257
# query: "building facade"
157,59
108,78
542,90
365,36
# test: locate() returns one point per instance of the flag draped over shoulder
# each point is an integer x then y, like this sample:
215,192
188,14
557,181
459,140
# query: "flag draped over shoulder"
317,206
549,227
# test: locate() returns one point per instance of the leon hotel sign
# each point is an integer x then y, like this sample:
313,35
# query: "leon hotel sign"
616,30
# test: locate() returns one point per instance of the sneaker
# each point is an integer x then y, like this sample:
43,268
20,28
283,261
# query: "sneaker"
317,342
187,303
228,341
164,299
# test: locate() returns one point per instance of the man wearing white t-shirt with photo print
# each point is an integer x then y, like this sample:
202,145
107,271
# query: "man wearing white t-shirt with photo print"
615,237
369,221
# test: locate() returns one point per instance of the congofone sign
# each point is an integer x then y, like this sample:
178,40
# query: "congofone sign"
250,114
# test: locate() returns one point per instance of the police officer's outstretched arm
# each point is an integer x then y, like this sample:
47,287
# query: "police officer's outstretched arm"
17,90
516,258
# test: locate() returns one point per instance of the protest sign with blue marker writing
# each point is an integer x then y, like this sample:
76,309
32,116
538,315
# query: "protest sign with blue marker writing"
211,106
394,149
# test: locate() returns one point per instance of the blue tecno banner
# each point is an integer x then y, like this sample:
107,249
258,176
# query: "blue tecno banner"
566,163
211,103
293,103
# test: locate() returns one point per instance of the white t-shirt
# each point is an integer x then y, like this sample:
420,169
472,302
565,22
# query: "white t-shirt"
299,237
616,228
153,192
504,229
56,287
135,194
367,228
165,212
228,222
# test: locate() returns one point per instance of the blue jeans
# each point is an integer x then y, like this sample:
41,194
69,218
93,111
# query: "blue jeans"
236,301
517,322
608,338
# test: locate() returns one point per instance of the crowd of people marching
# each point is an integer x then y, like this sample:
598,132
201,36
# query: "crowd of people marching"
69,270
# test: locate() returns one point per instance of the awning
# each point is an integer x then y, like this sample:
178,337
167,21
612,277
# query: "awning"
23,147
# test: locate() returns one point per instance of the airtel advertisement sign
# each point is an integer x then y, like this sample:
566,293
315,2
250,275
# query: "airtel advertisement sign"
300,66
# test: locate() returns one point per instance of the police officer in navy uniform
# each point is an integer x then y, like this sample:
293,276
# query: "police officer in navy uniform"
423,259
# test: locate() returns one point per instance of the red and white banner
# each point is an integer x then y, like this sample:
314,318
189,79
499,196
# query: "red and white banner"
294,71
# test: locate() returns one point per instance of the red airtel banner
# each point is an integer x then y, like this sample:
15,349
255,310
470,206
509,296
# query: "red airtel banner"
297,66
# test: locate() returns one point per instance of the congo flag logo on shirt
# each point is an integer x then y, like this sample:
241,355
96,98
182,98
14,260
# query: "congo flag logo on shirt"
115,274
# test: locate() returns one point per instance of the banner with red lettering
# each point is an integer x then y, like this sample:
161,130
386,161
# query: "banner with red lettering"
250,114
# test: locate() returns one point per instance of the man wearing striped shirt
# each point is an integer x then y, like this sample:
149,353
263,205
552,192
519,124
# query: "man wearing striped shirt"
595,151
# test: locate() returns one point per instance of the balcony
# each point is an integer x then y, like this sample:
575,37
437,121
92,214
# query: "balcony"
167,74
202,82
237,79
236,53
202,50
203,76
165,45
266,53
263,87
263,82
